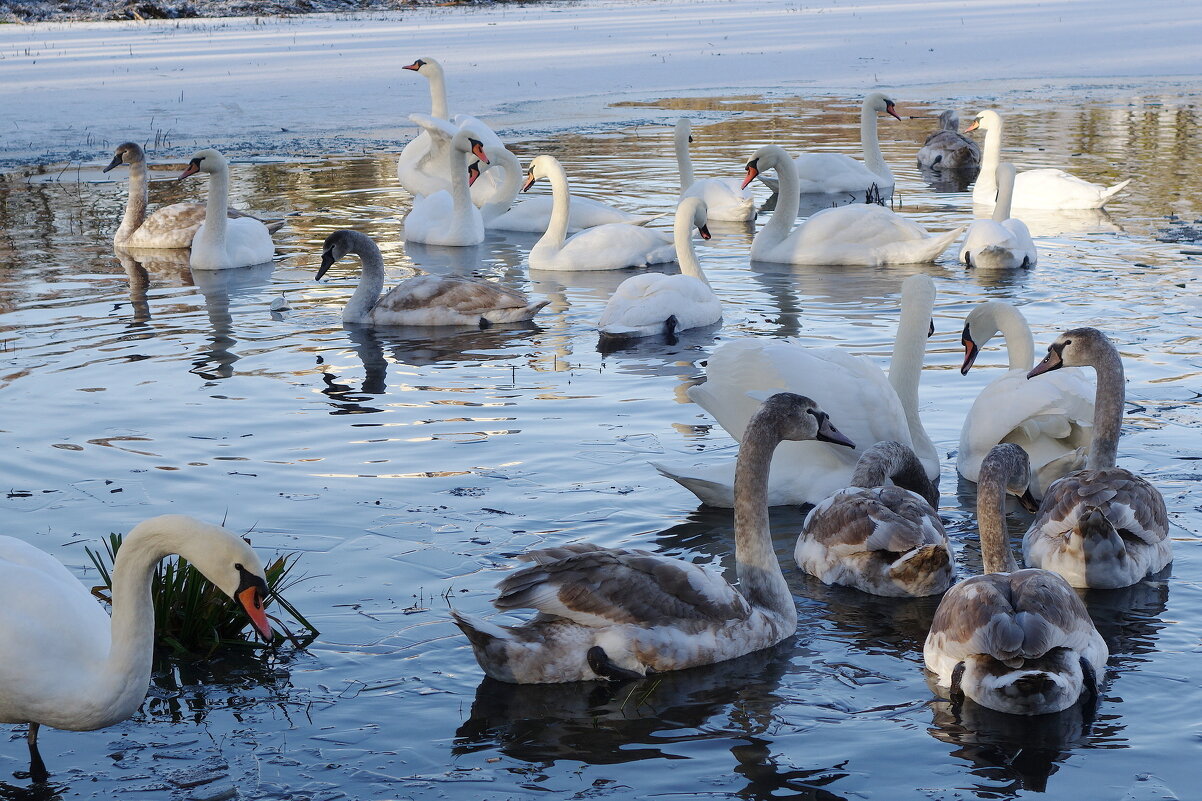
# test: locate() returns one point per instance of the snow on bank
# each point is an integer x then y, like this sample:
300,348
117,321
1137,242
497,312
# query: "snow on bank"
322,83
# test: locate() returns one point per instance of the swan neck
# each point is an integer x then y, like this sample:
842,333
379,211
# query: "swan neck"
1108,410
871,145
135,204
991,154
760,578
561,208
1005,194
890,461
461,196
991,524
1020,343
686,254
788,199
507,191
683,160
438,94
909,350
371,280
216,209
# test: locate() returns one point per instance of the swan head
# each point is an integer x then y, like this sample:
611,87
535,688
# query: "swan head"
1011,463
799,418
695,212
768,157
684,130
949,120
424,66
541,167
987,120
207,160
465,141
126,153
1078,347
979,327
1051,682
340,243
879,101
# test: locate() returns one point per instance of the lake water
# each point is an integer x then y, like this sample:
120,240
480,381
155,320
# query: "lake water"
409,467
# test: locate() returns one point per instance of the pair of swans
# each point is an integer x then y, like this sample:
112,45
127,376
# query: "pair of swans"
724,198
873,408
448,216
620,613
426,300
1001,242
862,234
947,148
66,664
653,303
1046,188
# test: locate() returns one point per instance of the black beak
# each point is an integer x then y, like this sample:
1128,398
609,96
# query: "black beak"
116,162
970,351
704,230
1028,501
327,261
1052,361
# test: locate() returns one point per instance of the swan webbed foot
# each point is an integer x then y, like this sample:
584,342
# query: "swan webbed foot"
484,323
37,768
604,667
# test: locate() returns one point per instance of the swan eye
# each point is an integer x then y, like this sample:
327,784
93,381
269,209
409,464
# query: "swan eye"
238,566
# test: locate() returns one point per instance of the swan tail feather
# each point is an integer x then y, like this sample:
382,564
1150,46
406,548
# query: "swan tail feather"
480,633
1114,190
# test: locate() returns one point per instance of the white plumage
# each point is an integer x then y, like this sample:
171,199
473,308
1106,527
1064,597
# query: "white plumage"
222,243
1001,242
725,198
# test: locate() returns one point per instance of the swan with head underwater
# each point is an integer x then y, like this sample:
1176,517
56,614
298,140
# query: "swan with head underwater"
1016,641
172,226
1001,242
448,217
604,247
654,303
861,234
1051,419
880,538
427,300
222,243
1045,188
1102,527
873,408
619,613
947,148
67,664
724,198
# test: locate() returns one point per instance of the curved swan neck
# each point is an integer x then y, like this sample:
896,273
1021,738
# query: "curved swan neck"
893,461
760,578
682,233
991,523
216,209
788,196
1108,410
870,143
909,348
561,205
507,190
1005,192
1020,343
135,204
461,197
371,280
683,160
991,154
438,89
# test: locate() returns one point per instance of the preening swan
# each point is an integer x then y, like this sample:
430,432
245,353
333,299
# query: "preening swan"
861,234
1017,641
430,300
221,243
66,664
724,197
1051,419
1046,188
1002,242
604,247
1102,527
172,226
623,613
447,217
533,213
947,148
872,407
886,540
654,303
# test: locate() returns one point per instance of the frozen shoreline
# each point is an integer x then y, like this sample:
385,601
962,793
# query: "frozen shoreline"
303,85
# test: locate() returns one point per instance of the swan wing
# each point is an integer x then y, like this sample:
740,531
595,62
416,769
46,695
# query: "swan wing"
642,303
859,519
1133,506
1056,189
725,199
606,247
821,173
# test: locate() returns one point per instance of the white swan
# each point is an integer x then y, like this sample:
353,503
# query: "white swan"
724,197
421,166
1045,188
429,300
624,613
66,664
171,226
447,217
1017,641
886,540
1102,527
1051,419
861,234
533,213
604,247
1002,242
654,303
872,408
221,243
947,148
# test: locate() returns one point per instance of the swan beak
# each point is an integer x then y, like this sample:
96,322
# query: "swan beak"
975,125
327,261
704,230
1028,501
116,162
192,168
891,111
828,433
251,599
970,352
931,328
473,172
1052,361
478,151
530,179
415,66
753,170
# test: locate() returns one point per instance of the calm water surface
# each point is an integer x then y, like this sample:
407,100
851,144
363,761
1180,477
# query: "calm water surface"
409,467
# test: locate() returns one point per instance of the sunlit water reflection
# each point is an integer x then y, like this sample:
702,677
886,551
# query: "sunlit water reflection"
410,466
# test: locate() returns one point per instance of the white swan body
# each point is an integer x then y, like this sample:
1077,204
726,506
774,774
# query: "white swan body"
1102,527
1016,641
533,213
885,540
604,247
724,198
222,243
427,300
873,408
623,613
66,664
947,148
448,217
654,303
1051,419
862,234
1045,188
1002,242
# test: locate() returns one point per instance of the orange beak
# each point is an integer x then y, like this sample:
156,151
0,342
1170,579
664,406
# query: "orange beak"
473,172
415,66
975,125
752,172
530,179
891,111
251,599
192,168
478,151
